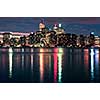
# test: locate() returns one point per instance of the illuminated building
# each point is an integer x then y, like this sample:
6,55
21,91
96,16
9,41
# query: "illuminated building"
86,40
12,42
55,27
52,38
1,37
68,41
60,25
78,41
27,42
46,37
58,29
16,34
91,39
31,38
97,41
74,40
23,41
37,38
60,40
41,25
82,42
59,34
6,38
45,30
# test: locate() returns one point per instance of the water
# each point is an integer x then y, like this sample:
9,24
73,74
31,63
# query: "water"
53,65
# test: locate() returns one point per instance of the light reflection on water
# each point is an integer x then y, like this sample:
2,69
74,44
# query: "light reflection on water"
10,62
41,65
55,65
97,64
92,64
86,61
60,64
31,64
49,65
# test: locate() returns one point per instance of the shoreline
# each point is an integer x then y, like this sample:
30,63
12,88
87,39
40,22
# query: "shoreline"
50,47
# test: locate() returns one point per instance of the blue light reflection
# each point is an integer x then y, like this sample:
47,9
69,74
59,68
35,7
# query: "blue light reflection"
92,64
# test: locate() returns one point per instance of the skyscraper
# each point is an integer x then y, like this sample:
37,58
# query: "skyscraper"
41,25
58,29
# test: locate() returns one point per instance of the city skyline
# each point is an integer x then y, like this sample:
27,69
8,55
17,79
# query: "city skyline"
71,24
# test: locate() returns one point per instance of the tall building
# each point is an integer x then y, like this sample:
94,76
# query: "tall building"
1,37
68,41
55,27
97,41
41,25
91,39
6,37
82,42
23,41
74,40
58,29
53,38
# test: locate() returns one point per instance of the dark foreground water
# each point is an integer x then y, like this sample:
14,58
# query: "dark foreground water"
56,65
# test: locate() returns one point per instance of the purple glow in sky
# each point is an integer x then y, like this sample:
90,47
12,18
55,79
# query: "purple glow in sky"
70,24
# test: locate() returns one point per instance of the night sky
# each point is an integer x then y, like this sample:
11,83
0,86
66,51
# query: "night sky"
71,24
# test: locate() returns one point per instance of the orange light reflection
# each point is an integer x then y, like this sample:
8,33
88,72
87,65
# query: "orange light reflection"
41,65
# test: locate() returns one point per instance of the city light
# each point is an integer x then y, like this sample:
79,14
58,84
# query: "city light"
10,62
60,50
55,64
22,49
48,37
92,33
50,64
86,61
60,25
32,60
97,63
86,57
41,64
60,66
22,61
97,57
92,64
55,51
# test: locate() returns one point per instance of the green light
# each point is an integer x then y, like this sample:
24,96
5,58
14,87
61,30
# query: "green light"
60,50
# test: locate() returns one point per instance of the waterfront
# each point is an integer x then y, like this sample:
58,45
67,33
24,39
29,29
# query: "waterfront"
49,65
